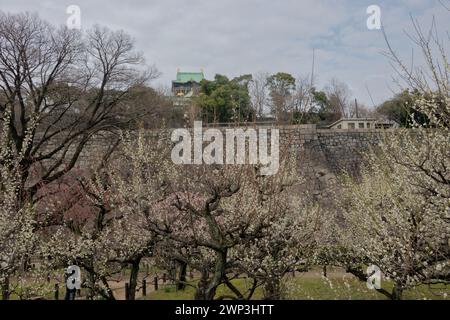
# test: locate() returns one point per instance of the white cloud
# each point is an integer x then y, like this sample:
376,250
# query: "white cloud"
235,36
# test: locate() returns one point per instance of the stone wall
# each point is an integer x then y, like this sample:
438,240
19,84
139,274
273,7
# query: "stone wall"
321,153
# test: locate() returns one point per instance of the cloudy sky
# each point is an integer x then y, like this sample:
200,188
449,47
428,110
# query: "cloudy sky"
234,37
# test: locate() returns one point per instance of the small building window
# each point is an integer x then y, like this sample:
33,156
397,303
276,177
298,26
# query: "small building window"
351,125
368,125
361,125
339,126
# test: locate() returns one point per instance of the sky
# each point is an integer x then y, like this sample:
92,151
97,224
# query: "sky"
234,37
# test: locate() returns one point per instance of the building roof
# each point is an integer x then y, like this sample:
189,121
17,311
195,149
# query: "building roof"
351,119
184,77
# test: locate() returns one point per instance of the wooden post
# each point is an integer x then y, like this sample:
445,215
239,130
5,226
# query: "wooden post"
155,283
127,291
144,288
56,291
164,278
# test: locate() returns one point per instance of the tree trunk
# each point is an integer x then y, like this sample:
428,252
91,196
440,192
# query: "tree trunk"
201,286
107,293
181,283
172,271
5,289
272,289
90,279
397,292
25,265
206,289
134,278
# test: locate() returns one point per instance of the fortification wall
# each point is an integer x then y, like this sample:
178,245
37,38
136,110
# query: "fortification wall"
321,153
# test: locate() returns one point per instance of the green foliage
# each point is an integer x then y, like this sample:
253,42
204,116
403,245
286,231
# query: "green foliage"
281,83
401,109
321,100
323,111
224,100
320,112
281,88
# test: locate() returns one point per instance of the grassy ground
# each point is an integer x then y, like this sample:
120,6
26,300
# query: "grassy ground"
347,288
313,286
304,286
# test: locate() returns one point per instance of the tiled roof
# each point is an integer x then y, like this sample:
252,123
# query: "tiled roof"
189,76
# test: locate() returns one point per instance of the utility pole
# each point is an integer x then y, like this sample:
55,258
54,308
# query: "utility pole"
313,66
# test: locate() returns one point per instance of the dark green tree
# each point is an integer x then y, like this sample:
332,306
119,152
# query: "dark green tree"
400,109
321,111
281,88
223,100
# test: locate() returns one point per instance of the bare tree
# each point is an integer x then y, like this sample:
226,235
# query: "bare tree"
63,88
431,79
302,98
259,93
58,89
150,108
339,97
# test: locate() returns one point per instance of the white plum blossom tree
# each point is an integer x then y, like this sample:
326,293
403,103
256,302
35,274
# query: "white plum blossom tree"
115,232
17,220
397,215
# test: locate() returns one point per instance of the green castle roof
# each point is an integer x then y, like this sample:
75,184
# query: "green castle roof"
189,76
